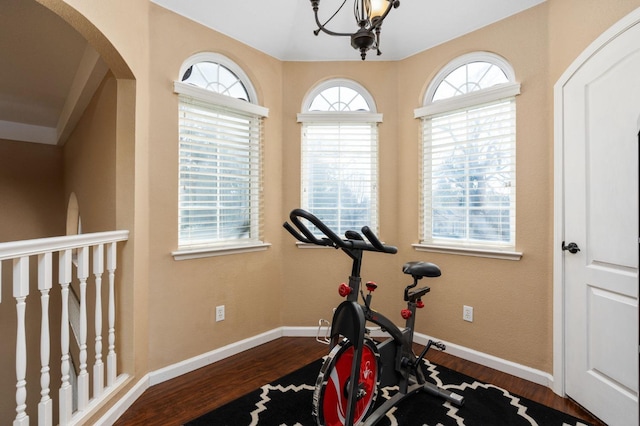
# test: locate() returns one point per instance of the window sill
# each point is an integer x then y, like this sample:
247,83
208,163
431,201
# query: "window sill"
210,251
470,251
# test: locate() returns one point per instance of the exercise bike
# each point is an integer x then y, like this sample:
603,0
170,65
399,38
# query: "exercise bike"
357,366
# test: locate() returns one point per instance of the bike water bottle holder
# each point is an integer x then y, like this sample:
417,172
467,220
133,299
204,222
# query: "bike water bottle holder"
324,330
321,337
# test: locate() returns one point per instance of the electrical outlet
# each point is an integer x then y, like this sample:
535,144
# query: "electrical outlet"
220,313
467,313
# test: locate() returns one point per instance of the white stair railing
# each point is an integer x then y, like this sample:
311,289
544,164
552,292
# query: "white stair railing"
103,249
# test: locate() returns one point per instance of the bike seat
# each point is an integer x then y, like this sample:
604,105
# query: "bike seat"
421,269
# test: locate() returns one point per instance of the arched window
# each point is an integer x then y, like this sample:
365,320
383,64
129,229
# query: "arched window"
468,161
217,74
220,131
340,155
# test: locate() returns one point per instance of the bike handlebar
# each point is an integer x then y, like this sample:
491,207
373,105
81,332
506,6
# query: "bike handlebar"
330,239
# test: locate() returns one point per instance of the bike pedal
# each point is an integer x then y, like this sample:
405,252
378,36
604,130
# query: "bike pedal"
440,345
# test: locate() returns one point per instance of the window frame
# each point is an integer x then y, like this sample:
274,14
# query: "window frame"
223,102
479,98
372,117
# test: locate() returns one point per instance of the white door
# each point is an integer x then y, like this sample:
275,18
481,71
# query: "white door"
601,121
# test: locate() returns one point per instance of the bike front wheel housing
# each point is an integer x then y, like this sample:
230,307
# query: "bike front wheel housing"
331,394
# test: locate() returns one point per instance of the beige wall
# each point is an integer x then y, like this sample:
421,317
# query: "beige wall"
167,312
511,299
31,191
90,163
575,24
183,294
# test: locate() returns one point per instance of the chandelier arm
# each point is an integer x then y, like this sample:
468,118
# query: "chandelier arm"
321,27
378,52
317,5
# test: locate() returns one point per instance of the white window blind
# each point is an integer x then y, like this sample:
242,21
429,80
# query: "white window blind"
339,173
220,174
469,179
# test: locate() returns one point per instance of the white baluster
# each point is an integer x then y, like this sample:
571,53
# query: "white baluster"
45,406
20,293
111,355
66,392
83,377
98,367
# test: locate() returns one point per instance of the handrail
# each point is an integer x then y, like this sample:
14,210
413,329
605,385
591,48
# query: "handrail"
13,249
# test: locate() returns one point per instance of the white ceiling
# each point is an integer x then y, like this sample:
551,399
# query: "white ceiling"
48,72
284,28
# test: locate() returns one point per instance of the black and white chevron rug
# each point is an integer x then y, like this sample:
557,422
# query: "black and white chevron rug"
288,401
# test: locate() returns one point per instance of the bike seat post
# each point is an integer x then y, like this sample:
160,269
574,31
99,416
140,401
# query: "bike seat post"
411,321
354,284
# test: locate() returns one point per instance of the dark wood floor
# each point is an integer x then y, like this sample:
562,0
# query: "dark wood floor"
189,396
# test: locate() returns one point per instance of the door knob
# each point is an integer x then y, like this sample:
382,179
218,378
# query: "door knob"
571,247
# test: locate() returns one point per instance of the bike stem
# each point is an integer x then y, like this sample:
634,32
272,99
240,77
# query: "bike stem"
354,280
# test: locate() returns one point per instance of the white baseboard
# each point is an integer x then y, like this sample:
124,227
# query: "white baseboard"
509,367
178,369
123,404
172,371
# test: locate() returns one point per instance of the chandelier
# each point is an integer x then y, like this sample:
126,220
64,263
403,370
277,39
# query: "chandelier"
369,15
